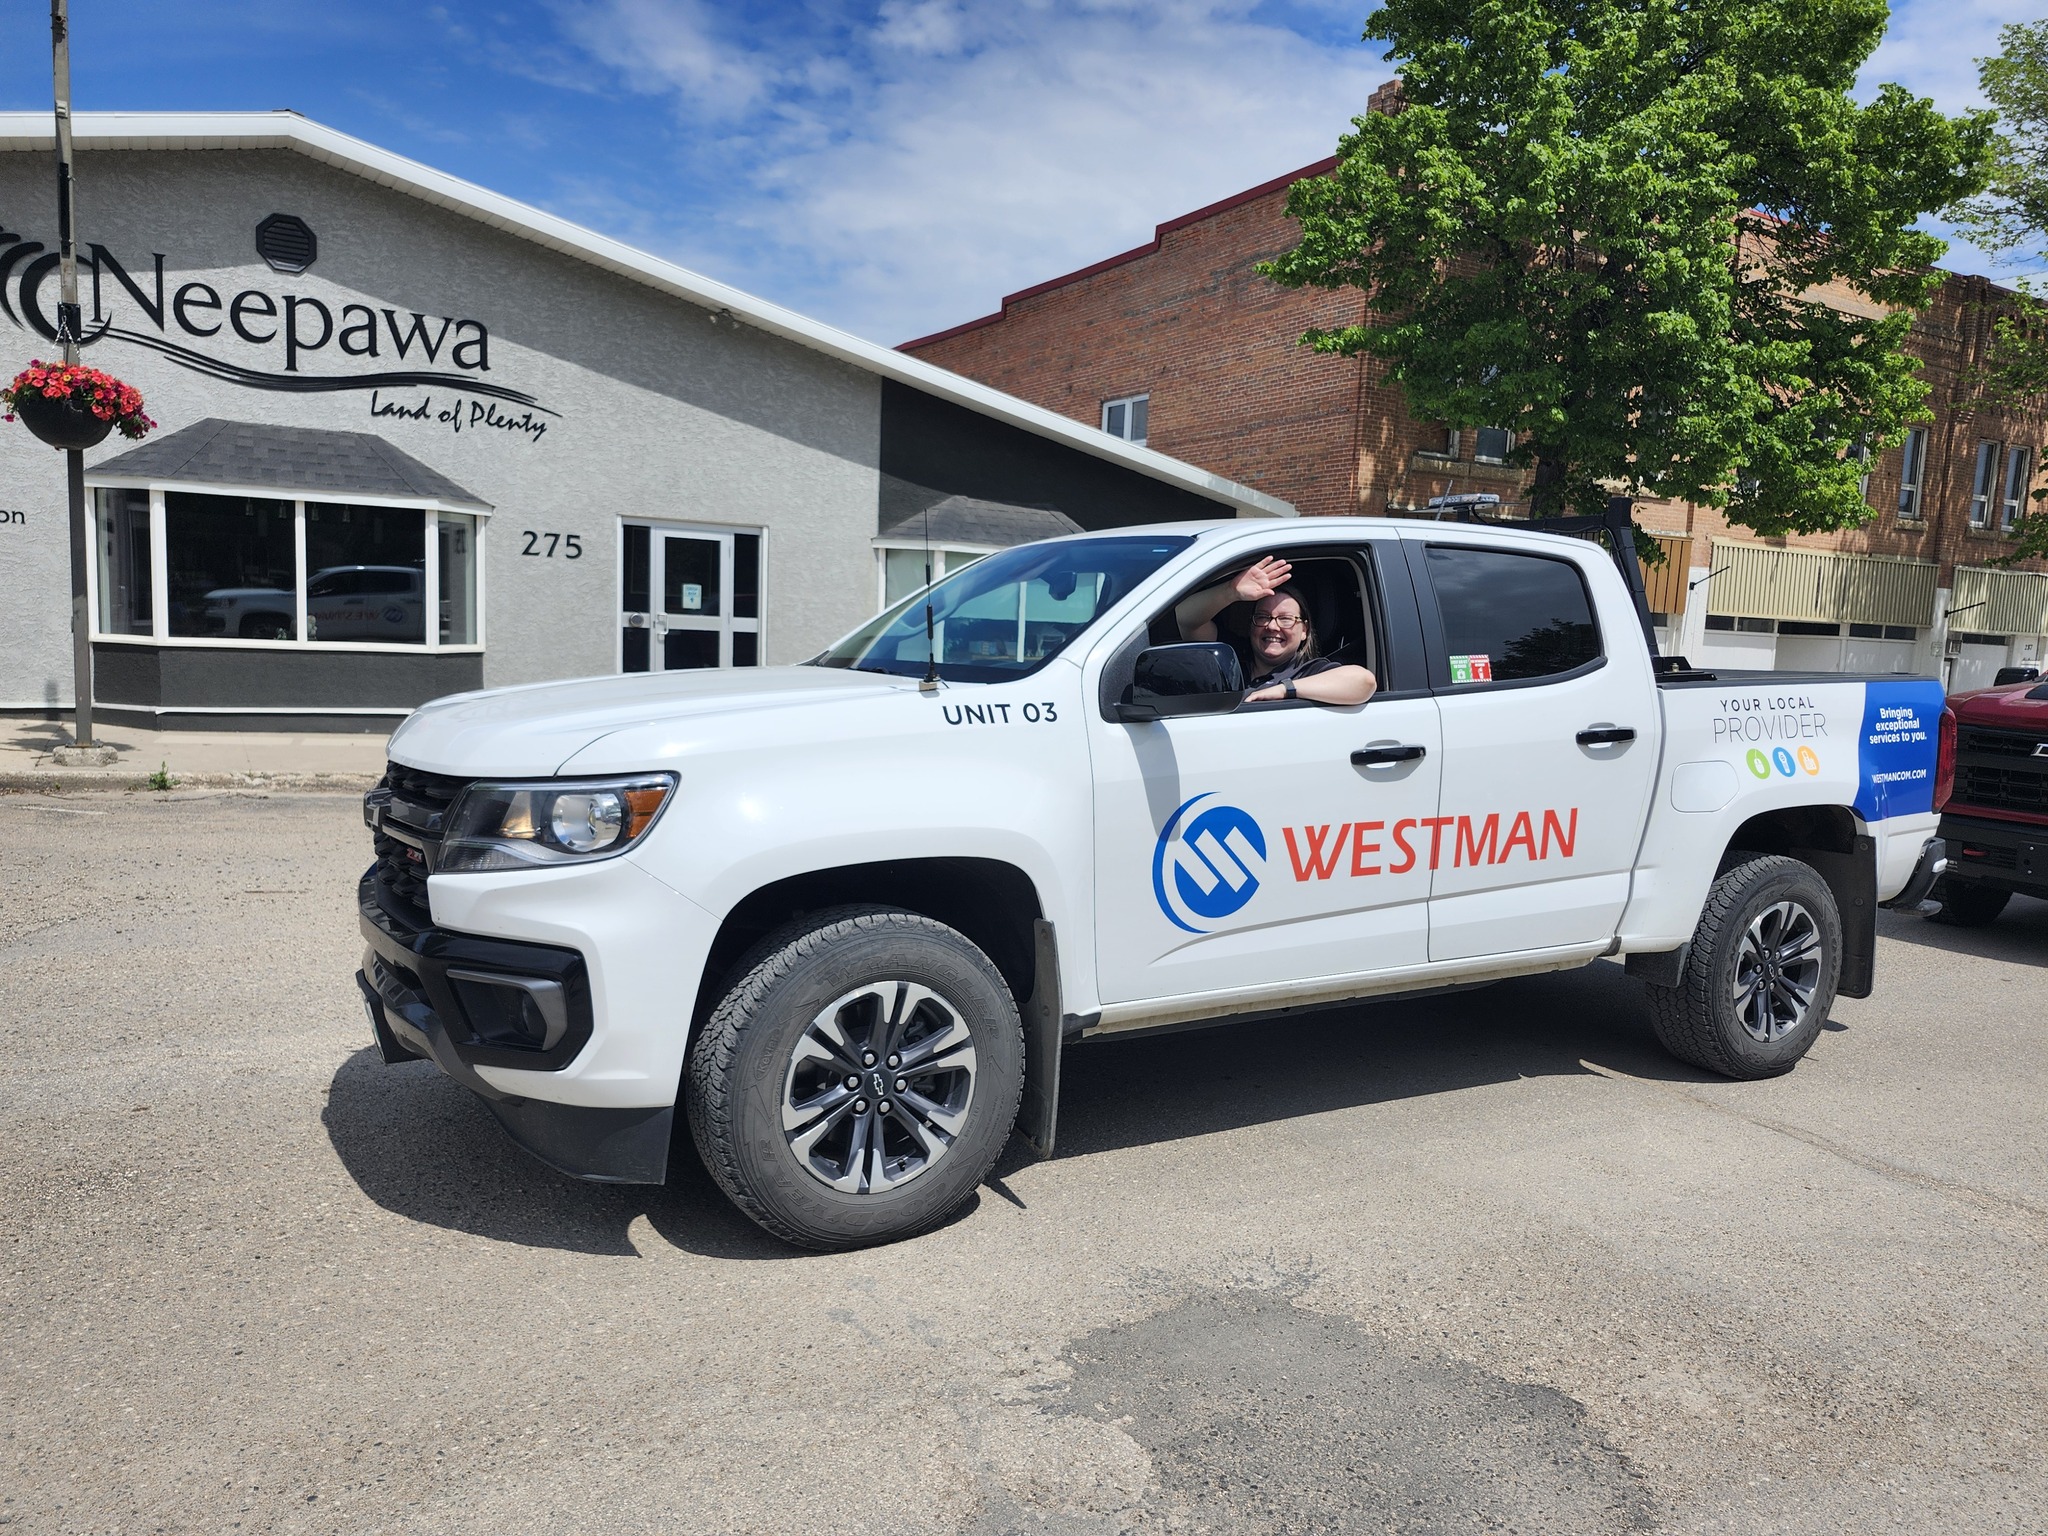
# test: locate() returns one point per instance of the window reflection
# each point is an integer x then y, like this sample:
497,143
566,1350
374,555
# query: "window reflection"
367,573
230,571
458,579
122,548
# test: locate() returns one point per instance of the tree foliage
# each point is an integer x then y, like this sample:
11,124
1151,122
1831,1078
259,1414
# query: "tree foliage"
2011,217
1607,225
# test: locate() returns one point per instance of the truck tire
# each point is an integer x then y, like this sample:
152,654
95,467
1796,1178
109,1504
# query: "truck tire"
859,1078
1761,975
1965,905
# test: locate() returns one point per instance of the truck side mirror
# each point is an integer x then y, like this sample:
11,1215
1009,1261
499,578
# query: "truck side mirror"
1202,677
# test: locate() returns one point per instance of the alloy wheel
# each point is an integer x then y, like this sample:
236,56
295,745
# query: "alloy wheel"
1777,971
878,1087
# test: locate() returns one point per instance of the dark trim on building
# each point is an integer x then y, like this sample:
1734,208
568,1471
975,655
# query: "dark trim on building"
165,682
144,718
932,449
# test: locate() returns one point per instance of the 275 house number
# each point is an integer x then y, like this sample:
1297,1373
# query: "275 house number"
570,545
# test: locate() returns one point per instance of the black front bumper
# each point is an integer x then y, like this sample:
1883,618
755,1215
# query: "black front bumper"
454,999
2004,855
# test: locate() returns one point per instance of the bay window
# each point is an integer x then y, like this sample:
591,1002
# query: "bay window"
222,568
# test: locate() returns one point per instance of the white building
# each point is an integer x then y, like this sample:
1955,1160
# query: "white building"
417,438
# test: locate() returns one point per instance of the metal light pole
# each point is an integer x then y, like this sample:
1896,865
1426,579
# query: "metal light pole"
69,324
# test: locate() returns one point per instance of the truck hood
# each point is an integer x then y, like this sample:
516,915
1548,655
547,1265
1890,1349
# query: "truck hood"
236,594
535,729
2015,707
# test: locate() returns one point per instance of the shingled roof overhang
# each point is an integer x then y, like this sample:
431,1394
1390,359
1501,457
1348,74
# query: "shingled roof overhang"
32,132
258,459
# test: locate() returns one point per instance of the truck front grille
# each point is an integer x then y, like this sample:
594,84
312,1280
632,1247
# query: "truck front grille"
420,802
1998,771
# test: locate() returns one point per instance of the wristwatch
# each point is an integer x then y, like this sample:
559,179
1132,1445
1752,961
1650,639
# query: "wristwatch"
1291,693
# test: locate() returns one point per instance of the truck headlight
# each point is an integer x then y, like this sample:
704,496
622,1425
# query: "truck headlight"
521,826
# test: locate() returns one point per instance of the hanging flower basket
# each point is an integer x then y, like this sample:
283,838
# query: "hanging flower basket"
72,406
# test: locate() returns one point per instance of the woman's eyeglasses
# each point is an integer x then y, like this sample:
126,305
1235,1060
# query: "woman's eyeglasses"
1268,621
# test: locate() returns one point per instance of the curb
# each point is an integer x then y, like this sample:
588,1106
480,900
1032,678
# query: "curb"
72,780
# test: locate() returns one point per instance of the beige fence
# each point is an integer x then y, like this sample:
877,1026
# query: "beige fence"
1757,581
1664,585
1996,602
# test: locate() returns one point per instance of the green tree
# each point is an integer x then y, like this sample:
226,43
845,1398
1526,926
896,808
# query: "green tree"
1607,225
2011,218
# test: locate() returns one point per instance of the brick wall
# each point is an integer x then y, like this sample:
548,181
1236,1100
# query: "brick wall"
1187,319
1950,340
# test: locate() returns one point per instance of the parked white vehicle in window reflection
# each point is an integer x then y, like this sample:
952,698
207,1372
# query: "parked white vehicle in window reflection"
367,602
384,603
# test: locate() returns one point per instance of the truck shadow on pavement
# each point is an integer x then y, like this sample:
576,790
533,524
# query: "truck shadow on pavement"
422,1147
2020,933
1124,1093
427,1149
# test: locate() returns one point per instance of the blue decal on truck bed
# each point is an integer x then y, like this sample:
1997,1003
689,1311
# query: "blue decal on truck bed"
1895,751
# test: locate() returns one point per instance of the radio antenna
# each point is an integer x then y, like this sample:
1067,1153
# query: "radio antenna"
930,682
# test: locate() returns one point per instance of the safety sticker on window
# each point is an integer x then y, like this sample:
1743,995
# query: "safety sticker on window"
1472,669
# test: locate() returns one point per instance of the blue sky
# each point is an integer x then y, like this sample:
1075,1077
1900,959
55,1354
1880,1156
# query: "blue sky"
890,166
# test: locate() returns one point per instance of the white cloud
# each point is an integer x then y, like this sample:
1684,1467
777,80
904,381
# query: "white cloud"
1932,48
659,46
897,167
902,174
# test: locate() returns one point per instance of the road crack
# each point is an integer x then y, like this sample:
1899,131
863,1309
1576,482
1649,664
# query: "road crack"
1999,1208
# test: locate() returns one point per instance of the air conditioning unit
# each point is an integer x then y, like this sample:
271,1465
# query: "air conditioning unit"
1953,646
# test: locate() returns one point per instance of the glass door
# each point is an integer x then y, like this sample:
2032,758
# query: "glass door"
689,598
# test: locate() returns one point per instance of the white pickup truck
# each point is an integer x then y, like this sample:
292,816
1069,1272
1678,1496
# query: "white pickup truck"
847,914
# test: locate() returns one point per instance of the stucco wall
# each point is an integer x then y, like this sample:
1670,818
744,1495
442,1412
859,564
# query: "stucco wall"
663,411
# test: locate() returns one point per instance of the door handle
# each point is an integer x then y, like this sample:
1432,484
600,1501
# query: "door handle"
1375,757
1605,735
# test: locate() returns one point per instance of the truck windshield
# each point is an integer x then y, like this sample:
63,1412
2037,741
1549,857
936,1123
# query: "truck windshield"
1009,614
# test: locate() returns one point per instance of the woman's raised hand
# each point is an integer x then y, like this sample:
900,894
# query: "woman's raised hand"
1262,580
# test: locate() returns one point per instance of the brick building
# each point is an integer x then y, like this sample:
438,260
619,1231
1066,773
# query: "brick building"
1182,345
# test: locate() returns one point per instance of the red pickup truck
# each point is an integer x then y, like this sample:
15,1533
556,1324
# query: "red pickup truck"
1995,820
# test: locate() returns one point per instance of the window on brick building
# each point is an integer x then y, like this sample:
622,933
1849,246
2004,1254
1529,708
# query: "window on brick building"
2012,504
1442,446
1983,485
1860,452
1127,418
1492,445
1912,467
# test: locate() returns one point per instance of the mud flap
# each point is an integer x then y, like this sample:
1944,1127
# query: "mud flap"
1853,879
1038,1114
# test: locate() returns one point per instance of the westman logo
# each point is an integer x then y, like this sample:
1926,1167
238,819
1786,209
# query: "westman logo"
1321,850
1207,867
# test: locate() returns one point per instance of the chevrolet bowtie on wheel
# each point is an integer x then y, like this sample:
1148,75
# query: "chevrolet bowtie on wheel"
836,924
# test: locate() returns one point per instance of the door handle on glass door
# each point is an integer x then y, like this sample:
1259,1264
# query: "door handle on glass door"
1605,735
1377,757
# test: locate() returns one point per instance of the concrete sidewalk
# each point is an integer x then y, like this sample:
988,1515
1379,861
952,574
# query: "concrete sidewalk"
196,758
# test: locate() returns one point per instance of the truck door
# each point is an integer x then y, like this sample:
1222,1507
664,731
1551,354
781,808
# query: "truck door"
1244,849
1550,737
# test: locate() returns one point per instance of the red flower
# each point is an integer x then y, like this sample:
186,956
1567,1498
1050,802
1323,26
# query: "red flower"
104,395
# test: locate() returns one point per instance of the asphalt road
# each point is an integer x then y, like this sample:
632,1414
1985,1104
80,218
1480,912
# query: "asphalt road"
1486,1263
